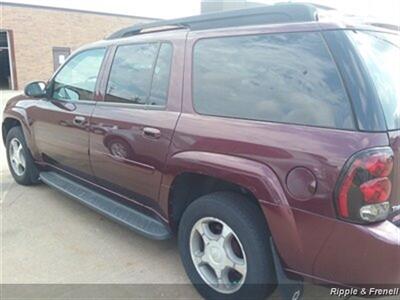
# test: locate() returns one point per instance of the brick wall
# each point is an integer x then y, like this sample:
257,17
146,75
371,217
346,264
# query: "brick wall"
37,30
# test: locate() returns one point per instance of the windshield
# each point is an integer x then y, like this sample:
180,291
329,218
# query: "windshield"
381,55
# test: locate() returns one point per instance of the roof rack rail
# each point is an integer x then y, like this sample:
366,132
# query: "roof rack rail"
269,14
384,25
143,28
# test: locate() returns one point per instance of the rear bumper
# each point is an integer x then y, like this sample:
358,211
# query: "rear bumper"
330,251
356,255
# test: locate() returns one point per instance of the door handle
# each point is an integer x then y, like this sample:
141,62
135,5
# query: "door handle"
79,120
152,132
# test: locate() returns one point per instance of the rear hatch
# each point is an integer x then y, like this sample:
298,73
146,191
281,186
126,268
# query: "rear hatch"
380,52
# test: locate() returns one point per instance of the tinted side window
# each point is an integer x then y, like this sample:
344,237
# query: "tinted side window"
287,78
381,55
131,73
160,84
77,79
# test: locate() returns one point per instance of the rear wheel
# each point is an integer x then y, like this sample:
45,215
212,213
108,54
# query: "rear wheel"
20,161
223,241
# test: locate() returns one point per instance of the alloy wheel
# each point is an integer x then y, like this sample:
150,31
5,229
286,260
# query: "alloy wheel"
17,157
218,255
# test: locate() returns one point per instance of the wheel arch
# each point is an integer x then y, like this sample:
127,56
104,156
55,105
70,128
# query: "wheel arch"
9,123
188,186
17,116
254,179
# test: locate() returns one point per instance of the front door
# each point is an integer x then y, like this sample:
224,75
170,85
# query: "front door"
132,128
60,123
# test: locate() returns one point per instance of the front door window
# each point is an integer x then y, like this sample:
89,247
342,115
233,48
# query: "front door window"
77,79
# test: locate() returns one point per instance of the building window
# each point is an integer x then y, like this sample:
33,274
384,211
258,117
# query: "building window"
5,62
60,55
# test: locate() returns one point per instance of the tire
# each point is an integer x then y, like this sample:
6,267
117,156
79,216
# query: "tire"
235,213
28,174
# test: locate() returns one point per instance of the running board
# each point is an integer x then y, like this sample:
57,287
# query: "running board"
127,216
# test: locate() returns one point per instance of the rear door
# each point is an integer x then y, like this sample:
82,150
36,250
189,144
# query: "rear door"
132,127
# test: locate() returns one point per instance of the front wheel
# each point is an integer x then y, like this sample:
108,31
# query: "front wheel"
223,241
20,161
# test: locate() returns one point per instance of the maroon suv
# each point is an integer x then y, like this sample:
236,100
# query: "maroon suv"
268,139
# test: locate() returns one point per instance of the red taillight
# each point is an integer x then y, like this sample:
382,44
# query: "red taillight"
343,195
379,165
365,185
376,190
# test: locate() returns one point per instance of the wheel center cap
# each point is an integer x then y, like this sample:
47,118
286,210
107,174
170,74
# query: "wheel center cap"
216,254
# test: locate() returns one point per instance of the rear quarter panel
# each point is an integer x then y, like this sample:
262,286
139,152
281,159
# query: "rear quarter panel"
299,226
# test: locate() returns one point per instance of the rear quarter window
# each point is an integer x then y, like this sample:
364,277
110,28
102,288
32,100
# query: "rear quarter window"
288,78
380,53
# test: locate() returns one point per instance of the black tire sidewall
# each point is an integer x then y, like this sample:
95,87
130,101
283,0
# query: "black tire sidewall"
260,279
30,175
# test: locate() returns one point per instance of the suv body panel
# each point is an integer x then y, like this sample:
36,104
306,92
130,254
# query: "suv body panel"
260,148
15,109
139,174
54,118
253,154
377,260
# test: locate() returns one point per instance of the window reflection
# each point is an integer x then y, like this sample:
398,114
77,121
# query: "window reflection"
381,54
77,79
278,77
140,74
159,87
131,72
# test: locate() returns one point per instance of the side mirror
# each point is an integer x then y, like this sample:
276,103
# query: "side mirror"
35,89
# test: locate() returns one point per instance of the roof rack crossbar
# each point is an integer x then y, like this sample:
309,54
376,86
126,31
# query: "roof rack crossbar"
269,14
